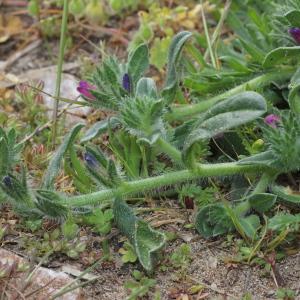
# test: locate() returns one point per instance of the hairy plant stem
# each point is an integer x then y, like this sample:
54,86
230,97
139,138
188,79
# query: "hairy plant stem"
182,112
170,150
147,184
62,44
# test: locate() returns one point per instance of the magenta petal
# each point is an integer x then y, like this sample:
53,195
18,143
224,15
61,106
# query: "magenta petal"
83,84
80,89
272,120
84,89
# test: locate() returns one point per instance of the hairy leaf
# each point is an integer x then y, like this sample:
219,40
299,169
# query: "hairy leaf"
250,225
138,62
294,93
293,16
264,158
175,50
212,220
48,203
235,111
55,162
280,55
99,128
262,202
146,87
282,221
4,157
146,241
287,196
142,117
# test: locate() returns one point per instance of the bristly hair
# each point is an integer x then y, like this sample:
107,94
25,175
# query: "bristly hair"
284,141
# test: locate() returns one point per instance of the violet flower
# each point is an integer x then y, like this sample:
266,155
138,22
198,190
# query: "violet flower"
295,33
84,89
272,120
126,82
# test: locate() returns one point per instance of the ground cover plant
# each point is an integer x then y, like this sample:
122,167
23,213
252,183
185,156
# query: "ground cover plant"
224,121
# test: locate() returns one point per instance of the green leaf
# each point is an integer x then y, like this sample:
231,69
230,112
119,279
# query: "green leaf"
281,221
49,204
146,241
78,168
249,225
293,16
280,55
212,220
55,162
18,193
294,92
159,52
235,111
146,87
264,158
138,62
128,253
171,84
256,53
142,117
287,196
113,173
69,229
4,157
99,155
262,202
99,128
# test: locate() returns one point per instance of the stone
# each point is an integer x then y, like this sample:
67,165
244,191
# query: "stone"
68,90
43,284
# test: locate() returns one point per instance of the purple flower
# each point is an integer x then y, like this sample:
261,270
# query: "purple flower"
90,160
126,82
295,33
272,120
84,89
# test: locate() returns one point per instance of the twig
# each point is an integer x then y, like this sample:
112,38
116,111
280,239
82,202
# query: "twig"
46,125
108,31
66,289
63,292
165,222
39,288
62,45
30,275
218,28
18,292
33,74
221,292
59,98
17,55
212,57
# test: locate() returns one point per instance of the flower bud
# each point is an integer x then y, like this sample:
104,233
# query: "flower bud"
126,82
90,160
7,182
295,33
272,120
